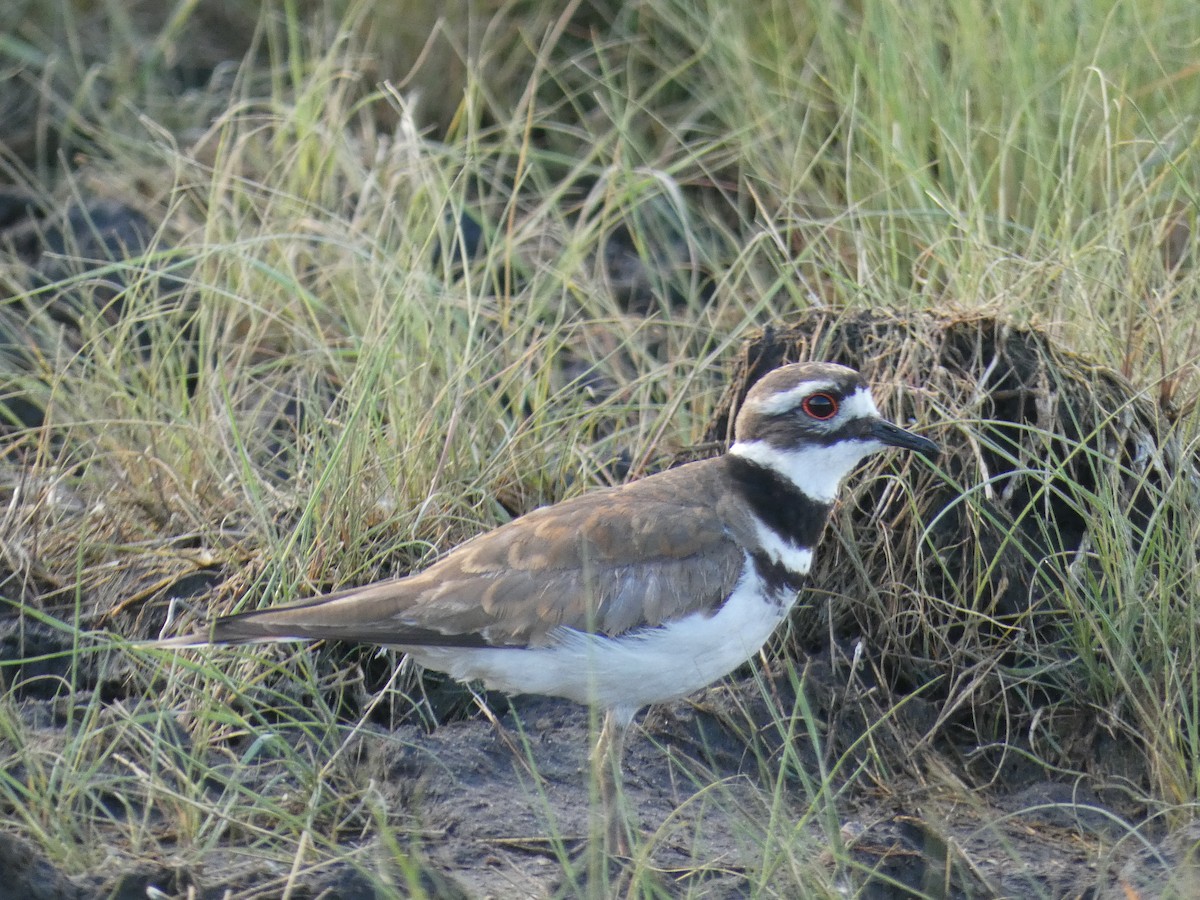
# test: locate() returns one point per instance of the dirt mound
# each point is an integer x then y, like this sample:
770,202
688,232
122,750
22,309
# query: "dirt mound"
960,576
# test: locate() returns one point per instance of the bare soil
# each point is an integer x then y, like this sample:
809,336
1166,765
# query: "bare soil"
500,808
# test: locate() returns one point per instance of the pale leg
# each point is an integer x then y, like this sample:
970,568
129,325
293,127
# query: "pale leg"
606,763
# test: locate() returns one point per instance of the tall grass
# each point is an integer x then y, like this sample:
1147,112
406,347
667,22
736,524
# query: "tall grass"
311,386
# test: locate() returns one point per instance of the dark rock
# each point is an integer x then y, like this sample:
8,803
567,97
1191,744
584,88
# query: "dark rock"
25,873
137,885
465,244
16,206
80,265
37,661
655,262
1074,805
905,857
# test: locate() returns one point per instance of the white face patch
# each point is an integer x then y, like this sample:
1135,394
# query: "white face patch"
815,470
859,405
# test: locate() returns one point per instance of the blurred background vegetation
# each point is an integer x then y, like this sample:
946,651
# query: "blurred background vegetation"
296,295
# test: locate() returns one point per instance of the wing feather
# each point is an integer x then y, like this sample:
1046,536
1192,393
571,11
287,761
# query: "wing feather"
609,561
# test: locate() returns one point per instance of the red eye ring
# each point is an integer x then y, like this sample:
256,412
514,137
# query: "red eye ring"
820,406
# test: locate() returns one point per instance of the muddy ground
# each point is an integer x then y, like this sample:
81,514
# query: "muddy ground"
700,776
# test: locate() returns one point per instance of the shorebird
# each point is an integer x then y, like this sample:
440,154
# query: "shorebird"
630,595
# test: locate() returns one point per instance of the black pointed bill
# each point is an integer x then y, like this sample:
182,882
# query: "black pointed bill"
895,436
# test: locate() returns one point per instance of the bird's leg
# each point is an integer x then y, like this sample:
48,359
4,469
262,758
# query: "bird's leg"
606,764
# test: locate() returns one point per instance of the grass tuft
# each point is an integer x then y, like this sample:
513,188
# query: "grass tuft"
306,296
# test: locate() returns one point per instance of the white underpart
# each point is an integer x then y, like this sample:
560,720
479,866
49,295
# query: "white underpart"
817,471
628,672
795,559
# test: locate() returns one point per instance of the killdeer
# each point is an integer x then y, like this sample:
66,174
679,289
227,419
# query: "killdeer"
631,595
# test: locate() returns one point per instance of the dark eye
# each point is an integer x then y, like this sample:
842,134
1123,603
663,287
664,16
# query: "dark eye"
820,406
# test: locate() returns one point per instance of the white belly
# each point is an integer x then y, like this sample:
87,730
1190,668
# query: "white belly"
625,673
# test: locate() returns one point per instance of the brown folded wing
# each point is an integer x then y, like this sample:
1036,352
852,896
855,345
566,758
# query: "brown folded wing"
609,561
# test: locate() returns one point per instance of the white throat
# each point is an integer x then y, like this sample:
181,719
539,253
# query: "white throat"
817,471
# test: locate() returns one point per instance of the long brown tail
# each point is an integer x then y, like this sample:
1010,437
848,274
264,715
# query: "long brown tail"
365,615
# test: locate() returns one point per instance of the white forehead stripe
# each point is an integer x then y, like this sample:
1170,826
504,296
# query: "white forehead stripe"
774,404
857,404
860,405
